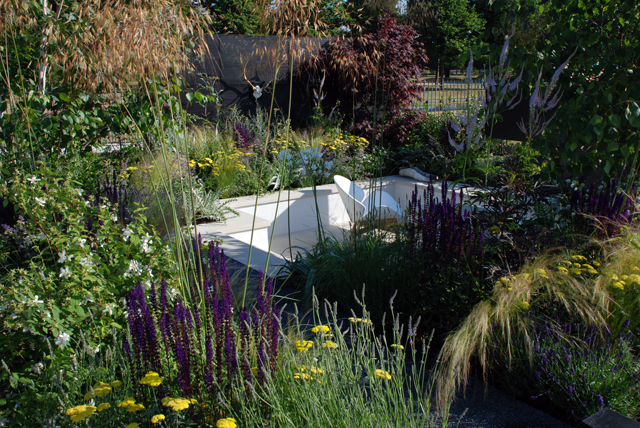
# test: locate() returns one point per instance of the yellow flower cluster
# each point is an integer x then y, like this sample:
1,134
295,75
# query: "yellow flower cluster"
350,142
223,160
360,320
177,403
151,379
100,390
226,423
79,413
130,405
383,374
303,345
619,282
579,266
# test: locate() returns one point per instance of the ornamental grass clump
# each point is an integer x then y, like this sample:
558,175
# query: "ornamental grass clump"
501,328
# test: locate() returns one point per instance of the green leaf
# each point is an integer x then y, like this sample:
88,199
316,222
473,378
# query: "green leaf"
189,96
635,110
199,96
3,402
614,119
64,97
607,167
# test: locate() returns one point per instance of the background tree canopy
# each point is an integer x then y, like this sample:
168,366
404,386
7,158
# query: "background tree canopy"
446,27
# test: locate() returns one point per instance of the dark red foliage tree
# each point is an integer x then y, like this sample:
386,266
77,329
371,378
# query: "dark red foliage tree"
377,75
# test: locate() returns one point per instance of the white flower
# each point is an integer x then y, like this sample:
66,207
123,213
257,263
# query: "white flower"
40,236
62,340
65,273
134,269
37,367
63,257
42,202
4,422
81,241
37,301
79,192
172,293
109,308
146,284
126,234
86,262
32,180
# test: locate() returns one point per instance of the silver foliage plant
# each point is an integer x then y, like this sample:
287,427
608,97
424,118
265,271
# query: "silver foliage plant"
502,93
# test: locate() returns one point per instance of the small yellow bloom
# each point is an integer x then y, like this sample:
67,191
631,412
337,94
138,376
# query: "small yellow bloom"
624,277
116,383
542,273
362,320
303,376
157,418
135,407
383,374
176,403
192,163
101,389
127,402
595,263
400,347
576,265
579,258
132,425
79,413
89,395
619,285
151,379
321,329
132,168
226,423
576,271
329,344
634,278
562,269
103,406
525,305
313,370
304,345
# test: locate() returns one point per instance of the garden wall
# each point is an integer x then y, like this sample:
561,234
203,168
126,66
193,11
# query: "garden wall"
262,60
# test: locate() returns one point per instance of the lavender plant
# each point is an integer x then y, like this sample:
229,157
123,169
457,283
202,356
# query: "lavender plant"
590,371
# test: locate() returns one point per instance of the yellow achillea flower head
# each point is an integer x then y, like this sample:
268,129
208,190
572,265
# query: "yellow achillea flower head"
151,379
157,418
226,423
135,408
383,374
321,329
329,344
525,305
304,345
597,264
103,406
619,285
116,383
576,271
132,425
579,258
127,402
176,403
79,413
562,269
400,347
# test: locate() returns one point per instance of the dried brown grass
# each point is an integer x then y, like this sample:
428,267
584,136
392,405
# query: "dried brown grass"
97,45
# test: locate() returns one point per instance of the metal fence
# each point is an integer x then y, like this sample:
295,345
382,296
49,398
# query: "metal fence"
448,94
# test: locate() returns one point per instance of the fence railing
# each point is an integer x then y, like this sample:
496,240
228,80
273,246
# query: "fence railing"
448,94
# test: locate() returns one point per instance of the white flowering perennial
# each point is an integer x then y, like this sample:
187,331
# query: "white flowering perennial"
62,339
145,242
135,269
